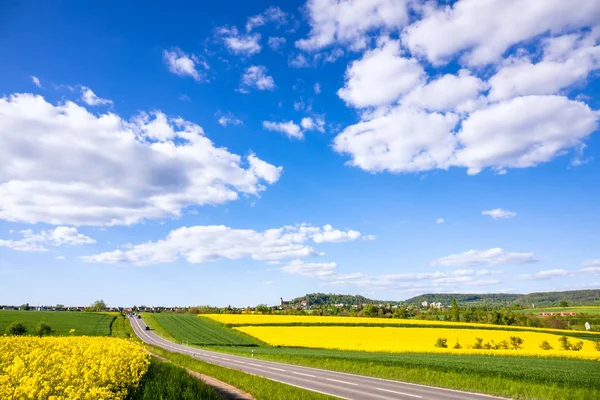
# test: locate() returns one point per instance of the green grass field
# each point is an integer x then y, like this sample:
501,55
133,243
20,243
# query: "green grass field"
578,310
196,330
165,381
84,323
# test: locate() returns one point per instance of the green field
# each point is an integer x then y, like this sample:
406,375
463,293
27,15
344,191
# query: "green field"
84,323
578,310
196,330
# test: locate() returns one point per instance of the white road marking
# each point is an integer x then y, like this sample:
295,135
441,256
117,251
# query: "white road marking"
256,365
338,381
300,373
277,369
239,362
402,393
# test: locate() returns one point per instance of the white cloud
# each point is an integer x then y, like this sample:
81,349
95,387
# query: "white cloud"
317,88
329,235
313,124
61,235
183,64
590,270
199,244
401,140
276,42
60,258
268,282
271,14
319,270
228,119
90,98
350,21
498,213
522,132
381,76
256,76
36,81
61,164
298,61
495,256
449,92
239,43
486,29
559,69
591,263
289,128
440,221
547,274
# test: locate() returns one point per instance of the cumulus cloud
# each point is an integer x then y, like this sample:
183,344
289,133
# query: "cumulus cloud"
484,30
90,98
381,76
310,124
36,81
329,234
318,270
239,43
276,42
61,235
547,274
183,64
228,119
272,14
256,76
298,61
317,88
498,213
440,221
199,244
349,22
61,164
495,256
289,128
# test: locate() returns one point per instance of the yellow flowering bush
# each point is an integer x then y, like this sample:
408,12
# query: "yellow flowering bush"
258,319
421,340
69,367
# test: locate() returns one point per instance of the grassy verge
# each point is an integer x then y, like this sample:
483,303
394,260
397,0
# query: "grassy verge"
165,381
515,377
261,388
121,328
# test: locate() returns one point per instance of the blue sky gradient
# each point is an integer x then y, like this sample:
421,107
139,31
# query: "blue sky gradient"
381,221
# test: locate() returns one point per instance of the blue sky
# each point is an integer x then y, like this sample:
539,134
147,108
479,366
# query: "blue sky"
239,152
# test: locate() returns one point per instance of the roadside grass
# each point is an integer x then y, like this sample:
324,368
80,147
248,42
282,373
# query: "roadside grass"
260,388
165,381
121,328
514,377
84,323
195,330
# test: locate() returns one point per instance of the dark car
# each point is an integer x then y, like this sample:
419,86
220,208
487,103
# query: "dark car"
147,328
139,316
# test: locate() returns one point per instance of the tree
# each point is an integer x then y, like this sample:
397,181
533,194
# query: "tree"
370,310
263,309
455,311
16,329
99,305
43,329
24,307
563,304
60,306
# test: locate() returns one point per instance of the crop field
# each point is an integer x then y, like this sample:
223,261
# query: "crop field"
199,331
84,323
241,320
415,340
69,367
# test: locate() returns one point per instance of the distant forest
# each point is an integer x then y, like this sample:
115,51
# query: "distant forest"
542,299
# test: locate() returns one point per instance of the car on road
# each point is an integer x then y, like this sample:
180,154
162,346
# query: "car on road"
139,316
147,328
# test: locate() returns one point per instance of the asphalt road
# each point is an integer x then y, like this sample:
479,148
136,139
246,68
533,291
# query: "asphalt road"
338,384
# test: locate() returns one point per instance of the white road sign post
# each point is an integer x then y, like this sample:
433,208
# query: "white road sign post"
587,326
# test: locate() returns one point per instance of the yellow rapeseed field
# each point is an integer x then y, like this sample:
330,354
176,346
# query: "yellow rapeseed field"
69,367
420,340
258,319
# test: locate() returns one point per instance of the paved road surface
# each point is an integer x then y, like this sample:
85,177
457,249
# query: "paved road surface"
338,384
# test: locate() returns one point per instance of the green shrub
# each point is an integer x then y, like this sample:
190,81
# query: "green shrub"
577,346
516,343
458,346
597,346
545,345
478,343
564,343
441,342
43,329
16,329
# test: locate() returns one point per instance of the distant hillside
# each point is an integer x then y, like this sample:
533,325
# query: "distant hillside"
542,299
322,299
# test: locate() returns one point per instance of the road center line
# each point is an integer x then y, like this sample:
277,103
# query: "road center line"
300,373
402,393
347,383
277,369
256,365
